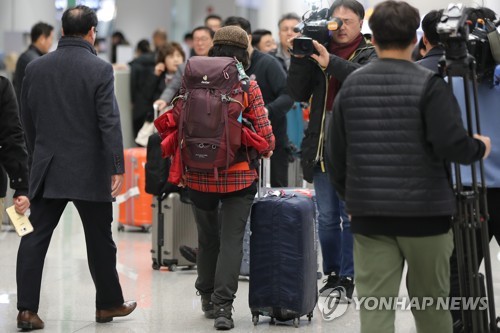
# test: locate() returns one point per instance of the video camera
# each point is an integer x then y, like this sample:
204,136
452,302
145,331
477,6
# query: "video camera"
316,24
483,42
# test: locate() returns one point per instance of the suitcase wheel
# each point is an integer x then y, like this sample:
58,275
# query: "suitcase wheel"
309,316
156,266
255,319
121,227
272,322
296,322
172,267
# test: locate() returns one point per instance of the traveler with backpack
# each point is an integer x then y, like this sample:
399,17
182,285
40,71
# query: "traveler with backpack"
221,182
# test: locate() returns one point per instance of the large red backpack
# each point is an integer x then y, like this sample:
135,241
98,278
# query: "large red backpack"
210,107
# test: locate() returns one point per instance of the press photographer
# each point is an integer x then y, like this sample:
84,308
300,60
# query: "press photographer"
320,76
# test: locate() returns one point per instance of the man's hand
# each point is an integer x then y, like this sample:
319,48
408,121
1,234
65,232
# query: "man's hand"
487,142
21,204
116,185
160,104
323,58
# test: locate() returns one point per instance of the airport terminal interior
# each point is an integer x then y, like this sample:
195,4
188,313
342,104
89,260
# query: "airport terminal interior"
166,297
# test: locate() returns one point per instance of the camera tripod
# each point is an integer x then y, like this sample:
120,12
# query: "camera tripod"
472,214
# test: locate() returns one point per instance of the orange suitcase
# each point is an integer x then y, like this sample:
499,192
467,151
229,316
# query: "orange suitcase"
136,209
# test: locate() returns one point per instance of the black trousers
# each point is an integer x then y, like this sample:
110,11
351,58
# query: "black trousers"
221,221
279,167
493,199
3,182
101,251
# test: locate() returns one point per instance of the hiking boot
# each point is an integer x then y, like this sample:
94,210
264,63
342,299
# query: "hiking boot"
223,320
207,306
330,282
189,253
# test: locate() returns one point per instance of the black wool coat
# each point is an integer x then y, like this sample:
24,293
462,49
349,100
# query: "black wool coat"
72,123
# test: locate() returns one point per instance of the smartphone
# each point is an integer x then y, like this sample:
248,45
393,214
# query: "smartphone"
20,222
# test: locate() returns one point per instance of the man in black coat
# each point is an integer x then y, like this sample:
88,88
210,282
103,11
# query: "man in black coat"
72,124
271,77
13,155
42,36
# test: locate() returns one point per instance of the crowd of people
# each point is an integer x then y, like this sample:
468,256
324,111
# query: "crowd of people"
382,131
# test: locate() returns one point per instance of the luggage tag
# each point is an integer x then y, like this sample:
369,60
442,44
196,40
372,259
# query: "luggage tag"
20,221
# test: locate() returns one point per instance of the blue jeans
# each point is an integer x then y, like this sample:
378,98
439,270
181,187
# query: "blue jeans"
334,228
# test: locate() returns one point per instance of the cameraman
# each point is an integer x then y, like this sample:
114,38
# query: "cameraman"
321,77
488,101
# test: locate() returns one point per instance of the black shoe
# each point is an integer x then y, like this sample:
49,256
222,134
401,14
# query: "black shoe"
330,282
348,284
207,306
189,253
223,319
342,292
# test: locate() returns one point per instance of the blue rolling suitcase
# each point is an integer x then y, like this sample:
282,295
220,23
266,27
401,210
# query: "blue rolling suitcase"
283,259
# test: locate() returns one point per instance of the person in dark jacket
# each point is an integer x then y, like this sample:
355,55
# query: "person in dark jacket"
13,154
73,134
42,36
348,51
269,74
434,51
388,154
141,74
202,42
263,41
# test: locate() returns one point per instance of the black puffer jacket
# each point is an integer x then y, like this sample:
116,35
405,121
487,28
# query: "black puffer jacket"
395,127
306,79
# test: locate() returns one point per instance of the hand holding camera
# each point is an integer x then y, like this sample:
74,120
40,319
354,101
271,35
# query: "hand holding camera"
322,56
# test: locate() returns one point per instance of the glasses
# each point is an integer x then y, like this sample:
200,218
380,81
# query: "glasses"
349,21
201,39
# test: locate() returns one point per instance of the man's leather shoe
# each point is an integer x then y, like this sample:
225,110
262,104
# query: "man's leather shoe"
104,316
28,320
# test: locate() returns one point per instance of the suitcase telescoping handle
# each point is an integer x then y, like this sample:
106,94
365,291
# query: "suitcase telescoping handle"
264,177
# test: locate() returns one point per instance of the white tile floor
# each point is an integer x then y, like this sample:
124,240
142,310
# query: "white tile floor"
166,300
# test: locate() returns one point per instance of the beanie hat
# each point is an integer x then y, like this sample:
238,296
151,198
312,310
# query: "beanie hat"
231,35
